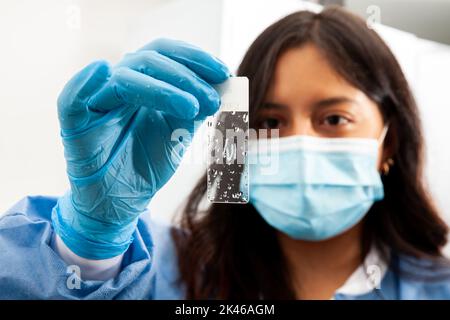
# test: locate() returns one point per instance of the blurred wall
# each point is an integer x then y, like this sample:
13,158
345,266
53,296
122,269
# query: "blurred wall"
428,19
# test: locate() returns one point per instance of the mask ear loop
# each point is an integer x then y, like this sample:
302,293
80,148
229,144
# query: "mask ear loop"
383,134
389,162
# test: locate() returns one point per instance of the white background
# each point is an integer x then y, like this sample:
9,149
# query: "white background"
44,42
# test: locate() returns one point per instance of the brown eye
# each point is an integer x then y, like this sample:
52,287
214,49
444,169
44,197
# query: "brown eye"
270,123
336,120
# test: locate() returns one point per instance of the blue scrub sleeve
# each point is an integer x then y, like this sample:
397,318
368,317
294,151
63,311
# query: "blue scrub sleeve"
30,268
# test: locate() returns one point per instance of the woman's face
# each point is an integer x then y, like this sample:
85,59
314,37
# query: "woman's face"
308,97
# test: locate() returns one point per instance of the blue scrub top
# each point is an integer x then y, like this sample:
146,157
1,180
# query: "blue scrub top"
31,269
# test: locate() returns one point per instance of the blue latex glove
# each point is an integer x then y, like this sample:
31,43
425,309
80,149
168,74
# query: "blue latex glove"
116,127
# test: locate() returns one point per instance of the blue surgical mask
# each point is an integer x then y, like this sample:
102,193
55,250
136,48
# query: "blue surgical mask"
314,188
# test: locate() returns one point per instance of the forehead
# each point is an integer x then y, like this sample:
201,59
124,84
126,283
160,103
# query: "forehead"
305,73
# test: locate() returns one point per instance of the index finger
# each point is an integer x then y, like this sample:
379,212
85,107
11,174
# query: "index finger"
204,64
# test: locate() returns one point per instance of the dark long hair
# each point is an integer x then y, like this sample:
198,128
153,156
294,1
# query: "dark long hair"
229,251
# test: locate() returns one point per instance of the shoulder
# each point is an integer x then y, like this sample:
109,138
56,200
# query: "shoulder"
159,235
156,232
27,219
32,207
164,256
423,278
27,260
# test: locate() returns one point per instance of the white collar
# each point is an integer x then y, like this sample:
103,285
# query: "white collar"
367,276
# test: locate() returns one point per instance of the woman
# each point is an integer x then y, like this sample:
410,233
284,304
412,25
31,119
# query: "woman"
347,215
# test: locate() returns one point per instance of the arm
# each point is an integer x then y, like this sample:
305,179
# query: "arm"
116,128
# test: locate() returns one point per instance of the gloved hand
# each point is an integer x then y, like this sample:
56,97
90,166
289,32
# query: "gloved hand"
116,127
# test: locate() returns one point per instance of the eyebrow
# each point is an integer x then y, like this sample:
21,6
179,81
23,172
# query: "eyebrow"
333,101
273,105
321,103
